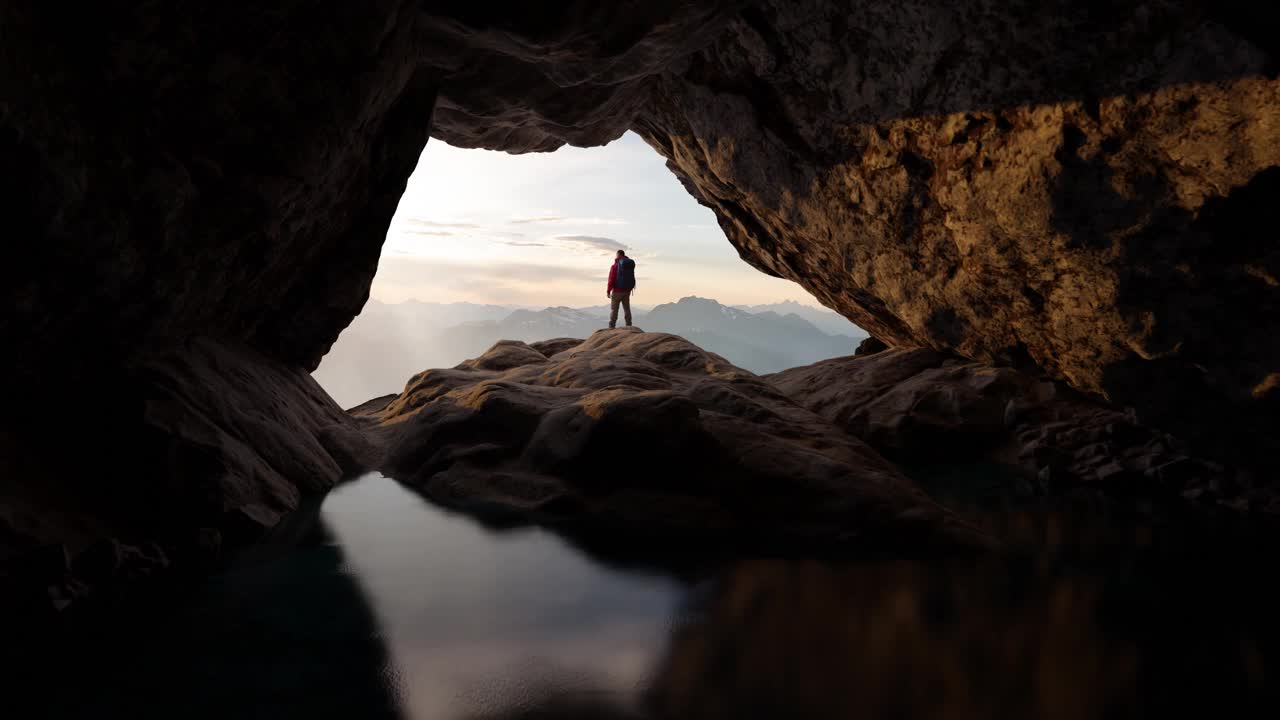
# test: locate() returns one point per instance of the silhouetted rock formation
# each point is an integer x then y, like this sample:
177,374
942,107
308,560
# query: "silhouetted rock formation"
924,407
635,431
870,346
198,449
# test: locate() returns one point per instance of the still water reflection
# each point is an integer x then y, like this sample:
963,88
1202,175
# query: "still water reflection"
479,621
384,605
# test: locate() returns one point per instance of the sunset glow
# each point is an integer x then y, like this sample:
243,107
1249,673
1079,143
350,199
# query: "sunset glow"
541,229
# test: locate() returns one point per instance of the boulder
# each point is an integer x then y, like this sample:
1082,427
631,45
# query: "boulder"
644,433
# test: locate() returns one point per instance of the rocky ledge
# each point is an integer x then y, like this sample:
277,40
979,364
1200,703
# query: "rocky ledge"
644,433
931,410
647,433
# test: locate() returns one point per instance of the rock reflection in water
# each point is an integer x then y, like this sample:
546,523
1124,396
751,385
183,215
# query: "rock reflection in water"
1133,622
804,639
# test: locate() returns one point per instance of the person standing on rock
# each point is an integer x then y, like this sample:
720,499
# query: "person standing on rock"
622,280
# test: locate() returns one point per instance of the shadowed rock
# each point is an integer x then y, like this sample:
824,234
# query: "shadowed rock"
870,346
200,450
924,407
644,432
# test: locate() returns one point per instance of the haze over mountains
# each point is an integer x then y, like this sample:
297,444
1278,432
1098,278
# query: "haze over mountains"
822,318
389,343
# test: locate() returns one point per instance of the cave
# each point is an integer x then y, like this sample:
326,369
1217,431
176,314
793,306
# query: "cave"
1075,197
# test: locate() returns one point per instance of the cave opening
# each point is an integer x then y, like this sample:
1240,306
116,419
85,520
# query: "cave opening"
488,246
1056,216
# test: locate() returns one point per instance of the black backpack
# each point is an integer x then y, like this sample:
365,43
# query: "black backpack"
626,277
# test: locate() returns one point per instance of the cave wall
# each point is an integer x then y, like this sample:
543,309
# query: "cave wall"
229,170
196,197
1082,189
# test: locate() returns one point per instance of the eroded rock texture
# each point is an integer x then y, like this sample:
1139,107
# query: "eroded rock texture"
646,433
925,408
1087,188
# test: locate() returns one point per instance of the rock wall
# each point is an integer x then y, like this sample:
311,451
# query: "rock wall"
1083,188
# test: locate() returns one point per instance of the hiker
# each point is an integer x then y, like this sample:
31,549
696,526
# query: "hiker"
622,280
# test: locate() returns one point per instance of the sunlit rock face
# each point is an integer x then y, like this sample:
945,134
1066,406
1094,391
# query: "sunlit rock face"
1087,190
634,432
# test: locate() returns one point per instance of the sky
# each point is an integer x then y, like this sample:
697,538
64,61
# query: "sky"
541,229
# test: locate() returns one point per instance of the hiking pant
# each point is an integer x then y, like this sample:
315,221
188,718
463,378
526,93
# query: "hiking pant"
619,296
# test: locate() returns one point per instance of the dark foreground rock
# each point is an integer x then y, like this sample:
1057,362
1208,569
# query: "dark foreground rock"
924,407
204,449
644,432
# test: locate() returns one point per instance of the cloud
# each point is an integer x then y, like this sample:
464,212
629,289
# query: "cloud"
538,219
442,233
432,223
593,242
535,278
566,220
520,243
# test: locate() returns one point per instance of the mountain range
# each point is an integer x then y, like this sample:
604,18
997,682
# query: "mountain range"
822,318
388,343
